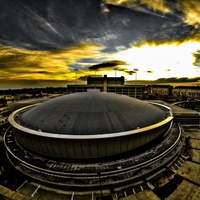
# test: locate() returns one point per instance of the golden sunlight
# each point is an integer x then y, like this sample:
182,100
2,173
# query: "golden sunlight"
24,64
156,61
154,4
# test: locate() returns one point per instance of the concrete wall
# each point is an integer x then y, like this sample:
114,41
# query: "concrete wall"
90,147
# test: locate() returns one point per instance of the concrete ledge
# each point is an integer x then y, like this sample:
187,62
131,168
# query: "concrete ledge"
12,195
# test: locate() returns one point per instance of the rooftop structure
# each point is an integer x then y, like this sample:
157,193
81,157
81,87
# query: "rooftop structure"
91,140
88,125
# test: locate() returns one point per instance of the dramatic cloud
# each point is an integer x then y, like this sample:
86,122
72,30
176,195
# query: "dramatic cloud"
113,65
56,24
197,59
190,10
108,64
178,80
48,39
152,4
45,65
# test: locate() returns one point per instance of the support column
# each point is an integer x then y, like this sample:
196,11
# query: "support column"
105,83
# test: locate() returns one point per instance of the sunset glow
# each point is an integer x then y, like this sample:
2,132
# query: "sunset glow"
40,46
175,59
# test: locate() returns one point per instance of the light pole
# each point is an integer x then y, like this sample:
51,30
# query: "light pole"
95,77
115,76
76,70
151,86
135,70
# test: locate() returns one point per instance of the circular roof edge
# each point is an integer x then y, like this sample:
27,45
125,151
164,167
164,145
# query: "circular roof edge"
40,133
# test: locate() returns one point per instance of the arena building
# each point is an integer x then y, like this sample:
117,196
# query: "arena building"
93,139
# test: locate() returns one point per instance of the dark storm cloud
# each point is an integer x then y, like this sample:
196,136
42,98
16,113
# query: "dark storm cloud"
92,60
129,72
108,64
149,71
113,64
83,78
49,24
48,39
197,58
178,80
74,67
87,60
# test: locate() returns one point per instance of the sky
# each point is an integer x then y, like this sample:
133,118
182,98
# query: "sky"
54,42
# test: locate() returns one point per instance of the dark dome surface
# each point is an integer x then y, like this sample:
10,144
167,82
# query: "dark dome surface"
91,113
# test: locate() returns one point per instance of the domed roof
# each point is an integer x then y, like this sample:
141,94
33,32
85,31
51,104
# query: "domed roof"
91,113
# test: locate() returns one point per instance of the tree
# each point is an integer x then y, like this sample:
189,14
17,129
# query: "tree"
3,101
